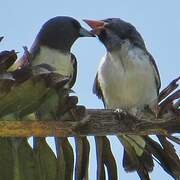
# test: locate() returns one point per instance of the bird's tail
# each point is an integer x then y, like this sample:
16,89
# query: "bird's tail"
136,156
140,151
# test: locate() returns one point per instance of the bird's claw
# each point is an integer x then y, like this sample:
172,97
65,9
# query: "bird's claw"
79,116
119,113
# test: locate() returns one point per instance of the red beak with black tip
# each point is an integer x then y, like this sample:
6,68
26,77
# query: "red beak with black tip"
96,25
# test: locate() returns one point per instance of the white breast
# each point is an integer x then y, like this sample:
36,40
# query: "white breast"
60,61
127,78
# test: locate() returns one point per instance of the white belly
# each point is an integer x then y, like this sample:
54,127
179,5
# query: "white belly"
60,61
127,80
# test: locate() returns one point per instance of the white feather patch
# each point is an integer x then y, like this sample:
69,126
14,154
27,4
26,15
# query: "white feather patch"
127,78
60,61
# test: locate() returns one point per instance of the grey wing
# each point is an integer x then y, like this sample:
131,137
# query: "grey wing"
97,90
157,75
74,73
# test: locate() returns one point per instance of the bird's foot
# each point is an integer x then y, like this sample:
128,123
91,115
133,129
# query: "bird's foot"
119,113
118,110
79,116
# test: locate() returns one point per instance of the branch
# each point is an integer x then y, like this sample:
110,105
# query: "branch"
96,122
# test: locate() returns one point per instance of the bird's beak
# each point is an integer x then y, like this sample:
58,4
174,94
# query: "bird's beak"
85,33
96,25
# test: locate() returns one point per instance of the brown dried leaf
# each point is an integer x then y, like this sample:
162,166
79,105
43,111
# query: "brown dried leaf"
7,59
170,88
82,158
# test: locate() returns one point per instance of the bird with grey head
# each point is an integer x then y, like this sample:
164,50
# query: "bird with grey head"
128,79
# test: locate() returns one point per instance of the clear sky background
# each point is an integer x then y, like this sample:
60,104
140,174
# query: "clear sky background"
157,21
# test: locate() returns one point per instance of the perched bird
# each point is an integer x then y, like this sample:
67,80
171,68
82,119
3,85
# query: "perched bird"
52,47
128,79
51,53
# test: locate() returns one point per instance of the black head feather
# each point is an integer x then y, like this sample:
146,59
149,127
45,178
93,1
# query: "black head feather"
117,30
59,33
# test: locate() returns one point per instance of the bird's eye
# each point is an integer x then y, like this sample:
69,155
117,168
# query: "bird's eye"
109,20
130,29
76,24
103,35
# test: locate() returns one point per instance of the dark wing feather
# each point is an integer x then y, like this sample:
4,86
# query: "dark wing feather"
74,74
138,41
157,75
97,90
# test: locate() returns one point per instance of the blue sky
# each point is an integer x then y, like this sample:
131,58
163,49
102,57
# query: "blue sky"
157,21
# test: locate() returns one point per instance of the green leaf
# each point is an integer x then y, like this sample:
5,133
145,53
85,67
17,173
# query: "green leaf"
65,158
82,158
46,161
